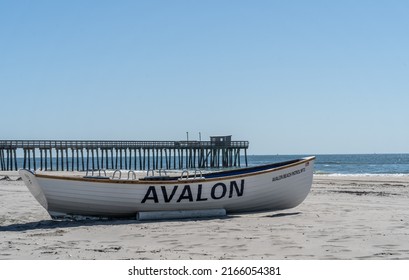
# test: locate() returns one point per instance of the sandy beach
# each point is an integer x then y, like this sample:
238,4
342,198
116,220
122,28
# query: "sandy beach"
343,217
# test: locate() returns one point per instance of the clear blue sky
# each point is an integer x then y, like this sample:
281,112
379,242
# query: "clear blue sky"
292,77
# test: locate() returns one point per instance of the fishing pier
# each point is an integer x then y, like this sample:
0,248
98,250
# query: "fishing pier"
73,155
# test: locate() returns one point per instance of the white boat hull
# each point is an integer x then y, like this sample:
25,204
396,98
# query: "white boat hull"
277,188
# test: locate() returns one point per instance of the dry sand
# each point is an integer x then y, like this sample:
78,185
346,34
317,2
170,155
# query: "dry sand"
355,217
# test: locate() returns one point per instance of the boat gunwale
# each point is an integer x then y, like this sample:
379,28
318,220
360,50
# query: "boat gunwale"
178,180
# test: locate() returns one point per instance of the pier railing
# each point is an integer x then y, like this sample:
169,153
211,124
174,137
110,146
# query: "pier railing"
46,144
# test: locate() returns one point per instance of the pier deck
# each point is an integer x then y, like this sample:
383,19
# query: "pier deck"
82,155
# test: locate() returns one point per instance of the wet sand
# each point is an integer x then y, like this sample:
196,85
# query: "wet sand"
355,217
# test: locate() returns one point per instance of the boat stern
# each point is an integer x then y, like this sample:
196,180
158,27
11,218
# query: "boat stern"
32,184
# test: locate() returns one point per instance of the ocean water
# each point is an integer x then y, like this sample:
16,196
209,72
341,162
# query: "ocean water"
355,164
380,164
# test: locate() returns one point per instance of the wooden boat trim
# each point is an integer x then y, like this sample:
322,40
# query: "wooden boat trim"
147,181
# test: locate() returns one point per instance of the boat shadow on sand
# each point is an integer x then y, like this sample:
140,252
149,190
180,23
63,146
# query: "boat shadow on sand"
92,221
278,215
72,223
